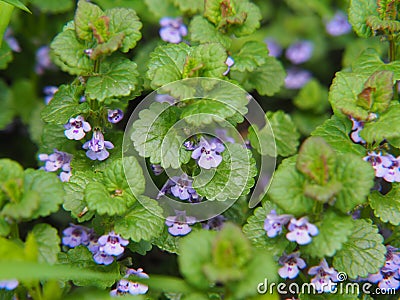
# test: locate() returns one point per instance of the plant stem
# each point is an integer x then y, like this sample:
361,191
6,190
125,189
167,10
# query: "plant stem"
14,230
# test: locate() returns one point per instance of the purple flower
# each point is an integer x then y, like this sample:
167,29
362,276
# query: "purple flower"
325,277
75,235
273,223
338,25
222,136
296,78
57,160
9,284
49,92
393,171
356,128
215,223
379,162
299,52
229,62
172,30
165,98
115,115
180,187
157,169
76,127
387,280
125,286
208,155
392,263
97,146
112,244
179,224
43,61
274,49
291,264
102,258
11,40
301,231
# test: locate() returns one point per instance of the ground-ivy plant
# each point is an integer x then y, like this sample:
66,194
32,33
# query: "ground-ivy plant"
190,149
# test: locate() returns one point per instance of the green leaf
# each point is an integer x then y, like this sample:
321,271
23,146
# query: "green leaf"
17,4
316,160
280,137
167,242
24,98
377,92
211,58
6,56
387,207
80,257
125,21
5,227
359,11
6,105
344,94
357,178
24,208
49,188
312,97
142,222
363,253
63,106
141,247
334,230
74,195
369,62
335,132
201,30
231,179
10,169
48,242
126,175
196,251
190,6
118,77
162,8
85,16
149,134
266,79
166,64
378,130
53,137
99,198
49,6
286,189
108,47
254,230
69,52
252,54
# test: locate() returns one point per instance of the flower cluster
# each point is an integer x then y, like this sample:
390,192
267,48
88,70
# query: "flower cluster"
104,248
180,187
172,30
325,277
97,146
385,166
291,264
389,275
179,224
300,231
125,286
9,285
56,161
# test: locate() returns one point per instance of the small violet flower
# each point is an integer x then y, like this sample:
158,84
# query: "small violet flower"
229,62
112,244
325,277
291,264
393,171
125,286
49,92
157,169
172,30
57,160
296,78
180,187
299,52
301,231
355,133
75,235
208,155
115,115
215,223
11,40
274,49
102,258
273,223
165,98
43,61
97,146
76,128
223,136
179,224
9,284
379,162
338,25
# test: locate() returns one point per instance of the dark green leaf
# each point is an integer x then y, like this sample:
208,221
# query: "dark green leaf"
387,207
48,242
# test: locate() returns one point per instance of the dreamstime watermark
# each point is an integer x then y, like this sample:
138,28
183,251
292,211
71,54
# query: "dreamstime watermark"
340,287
